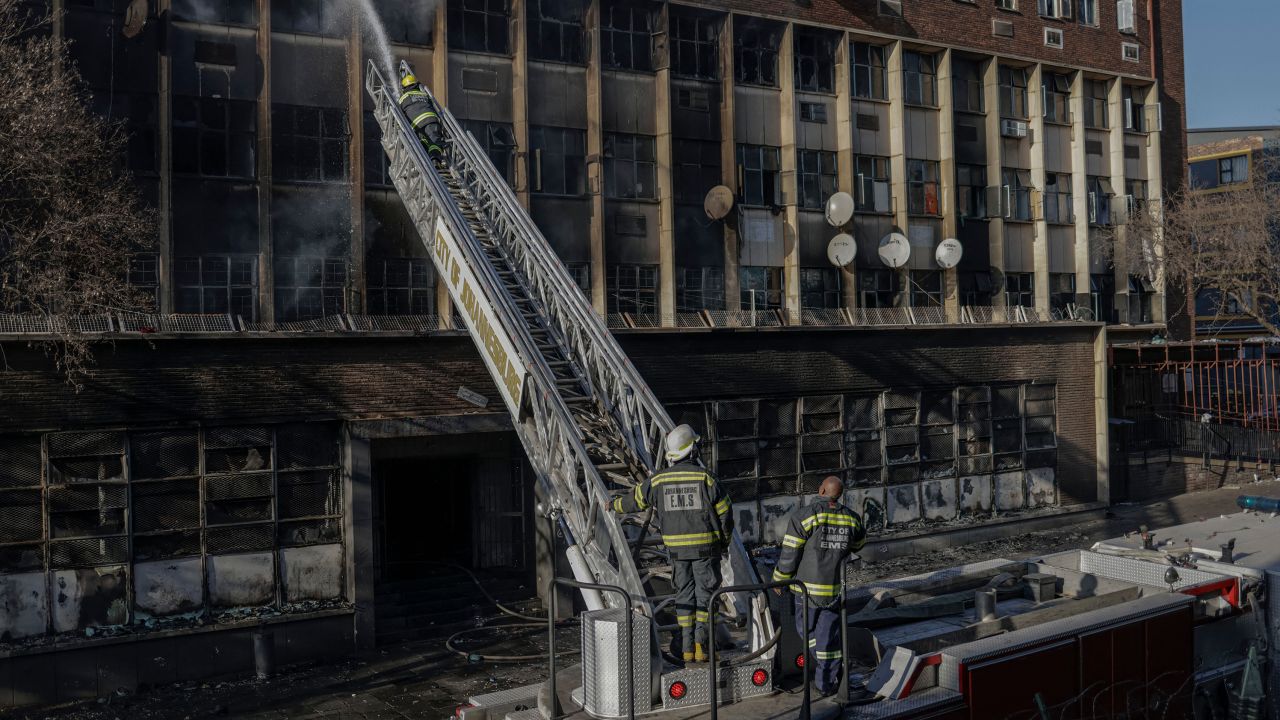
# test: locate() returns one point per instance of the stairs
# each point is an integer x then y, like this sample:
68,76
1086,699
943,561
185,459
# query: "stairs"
440,603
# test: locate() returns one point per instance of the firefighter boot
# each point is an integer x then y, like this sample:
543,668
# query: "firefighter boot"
688,657
699,655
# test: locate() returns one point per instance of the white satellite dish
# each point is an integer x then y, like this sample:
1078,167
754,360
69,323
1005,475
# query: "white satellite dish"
839,209
841,250
895,249
718,203
949,253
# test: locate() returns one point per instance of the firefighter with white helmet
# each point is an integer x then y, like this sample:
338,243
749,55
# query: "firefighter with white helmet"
694,513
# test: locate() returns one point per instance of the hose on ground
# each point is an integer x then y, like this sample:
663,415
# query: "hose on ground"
473,657
502,608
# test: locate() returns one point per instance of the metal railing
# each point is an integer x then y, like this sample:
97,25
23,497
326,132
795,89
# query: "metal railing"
713,670
629,603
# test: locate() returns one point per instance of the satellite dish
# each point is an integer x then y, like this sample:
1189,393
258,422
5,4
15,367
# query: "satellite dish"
841,250
718,203
895,249
949,253
839,209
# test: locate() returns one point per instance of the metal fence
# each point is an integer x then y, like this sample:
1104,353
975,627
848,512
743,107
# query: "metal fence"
837,317
1195,437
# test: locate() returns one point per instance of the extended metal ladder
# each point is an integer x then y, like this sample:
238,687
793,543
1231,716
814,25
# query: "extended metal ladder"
586,418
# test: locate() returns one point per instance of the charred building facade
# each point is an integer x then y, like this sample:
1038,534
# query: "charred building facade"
300,427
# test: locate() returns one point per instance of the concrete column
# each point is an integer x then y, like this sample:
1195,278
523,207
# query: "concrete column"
947,179
898,154
789,178
844,157
595,153
663,149
356,296
440,88
520,97
1040,245
729,165
164,133
1101,415
358,531
1080,189
1121,240
266,253
995,171
1155,197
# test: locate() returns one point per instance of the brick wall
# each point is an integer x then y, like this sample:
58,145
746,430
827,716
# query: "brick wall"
1172,475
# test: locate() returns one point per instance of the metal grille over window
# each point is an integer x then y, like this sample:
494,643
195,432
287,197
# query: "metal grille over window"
1006,427
974,430
901,435
862,441
86,498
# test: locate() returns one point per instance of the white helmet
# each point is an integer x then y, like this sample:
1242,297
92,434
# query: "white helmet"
680,443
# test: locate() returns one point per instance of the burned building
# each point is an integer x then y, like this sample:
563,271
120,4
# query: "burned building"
300,421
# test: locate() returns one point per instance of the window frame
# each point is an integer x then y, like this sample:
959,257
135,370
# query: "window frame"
540,24
970,196
817,177
289,140
638,296
539,135
640,163
1016,107
611,35
1020,286
968,84
769,178
1058,199
766,57
241,273
202,132
1016,187
695,46
1055,94
874,68
706,294
866,186
496,24
920,70
822,56
334,279
922,180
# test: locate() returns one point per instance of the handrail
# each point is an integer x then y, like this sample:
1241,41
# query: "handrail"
842,694
711,640
556,710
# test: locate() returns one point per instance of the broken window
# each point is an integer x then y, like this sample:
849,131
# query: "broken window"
499,143
581,274
699,288
695,44
1020,289
758,170
878,288
626,36
820,288
815,60
966,80
238,489
559,160
697,169
1006,427
555,31
86,499
1096,104
1059,208
737,447
309,144
926,288
1013,92
400,286
920,78
138,114
630,172
407,23
756,44
973,431
1016,199
869,74
309,287
165,487
144,276
377,166
214,137
816,177
922,188
1056,97
633,289
872,184
316,17
21,504
761,287
309,485
971,191
902,435
864,452
480,26
224,12
821,441
216,284
937,434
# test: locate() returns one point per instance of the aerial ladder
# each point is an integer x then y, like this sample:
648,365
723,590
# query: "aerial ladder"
590,425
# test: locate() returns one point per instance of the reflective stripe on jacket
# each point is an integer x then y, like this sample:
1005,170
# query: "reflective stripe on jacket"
418,108
819,537
692,509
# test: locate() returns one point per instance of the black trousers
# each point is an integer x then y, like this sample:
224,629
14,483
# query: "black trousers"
694,580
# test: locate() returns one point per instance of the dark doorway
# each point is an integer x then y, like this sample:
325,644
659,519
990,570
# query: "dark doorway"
426,511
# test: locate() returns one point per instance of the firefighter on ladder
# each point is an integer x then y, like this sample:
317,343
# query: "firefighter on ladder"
693,511
818,539
422,113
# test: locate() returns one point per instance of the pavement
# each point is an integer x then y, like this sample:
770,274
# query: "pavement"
425,681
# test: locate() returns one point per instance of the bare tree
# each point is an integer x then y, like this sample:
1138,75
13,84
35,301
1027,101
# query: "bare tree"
1225,242
70,216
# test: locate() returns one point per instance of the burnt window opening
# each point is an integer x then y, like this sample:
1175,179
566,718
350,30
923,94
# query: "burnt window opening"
1013,92
556,32
816,177
820,288
581,274
144,277
1096,105
1099,200
975,288
758,174
1056,98
86,498
971,191
699,288
756,43
217,284
871,184
697,169
967,90
922,188
626,36
1020,289
377,166
1102,297
312,17
1057,199
499,143
1062,291
400,286
926,288
869,77
407,23
633,289
973,430
480,26
223,12
878,288
815,60
920,79
309,144
309,287
760,287
138,115
215,137
1016,195
630,172
559,160
695,45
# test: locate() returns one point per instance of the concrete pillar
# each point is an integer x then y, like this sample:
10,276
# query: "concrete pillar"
595,154
164,133
1101,415
789,176
266,253
947,179
1155,197
1116,110
520,97
729,165
356,295
663,149
898,154
1080,189
358,530
995,171
844,157
1040,245
440,87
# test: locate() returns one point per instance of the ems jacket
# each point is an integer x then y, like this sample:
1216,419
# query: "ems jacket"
819,537
692,509
418,108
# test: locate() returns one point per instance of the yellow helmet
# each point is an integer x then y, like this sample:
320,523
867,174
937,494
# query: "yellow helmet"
408,81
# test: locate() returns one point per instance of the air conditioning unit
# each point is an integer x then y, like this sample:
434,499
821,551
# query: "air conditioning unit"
1013,128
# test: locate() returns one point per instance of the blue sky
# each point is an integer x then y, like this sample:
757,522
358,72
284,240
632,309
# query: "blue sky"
1233,62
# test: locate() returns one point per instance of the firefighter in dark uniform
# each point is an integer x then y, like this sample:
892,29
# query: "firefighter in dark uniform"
819,537
421,111
693,511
